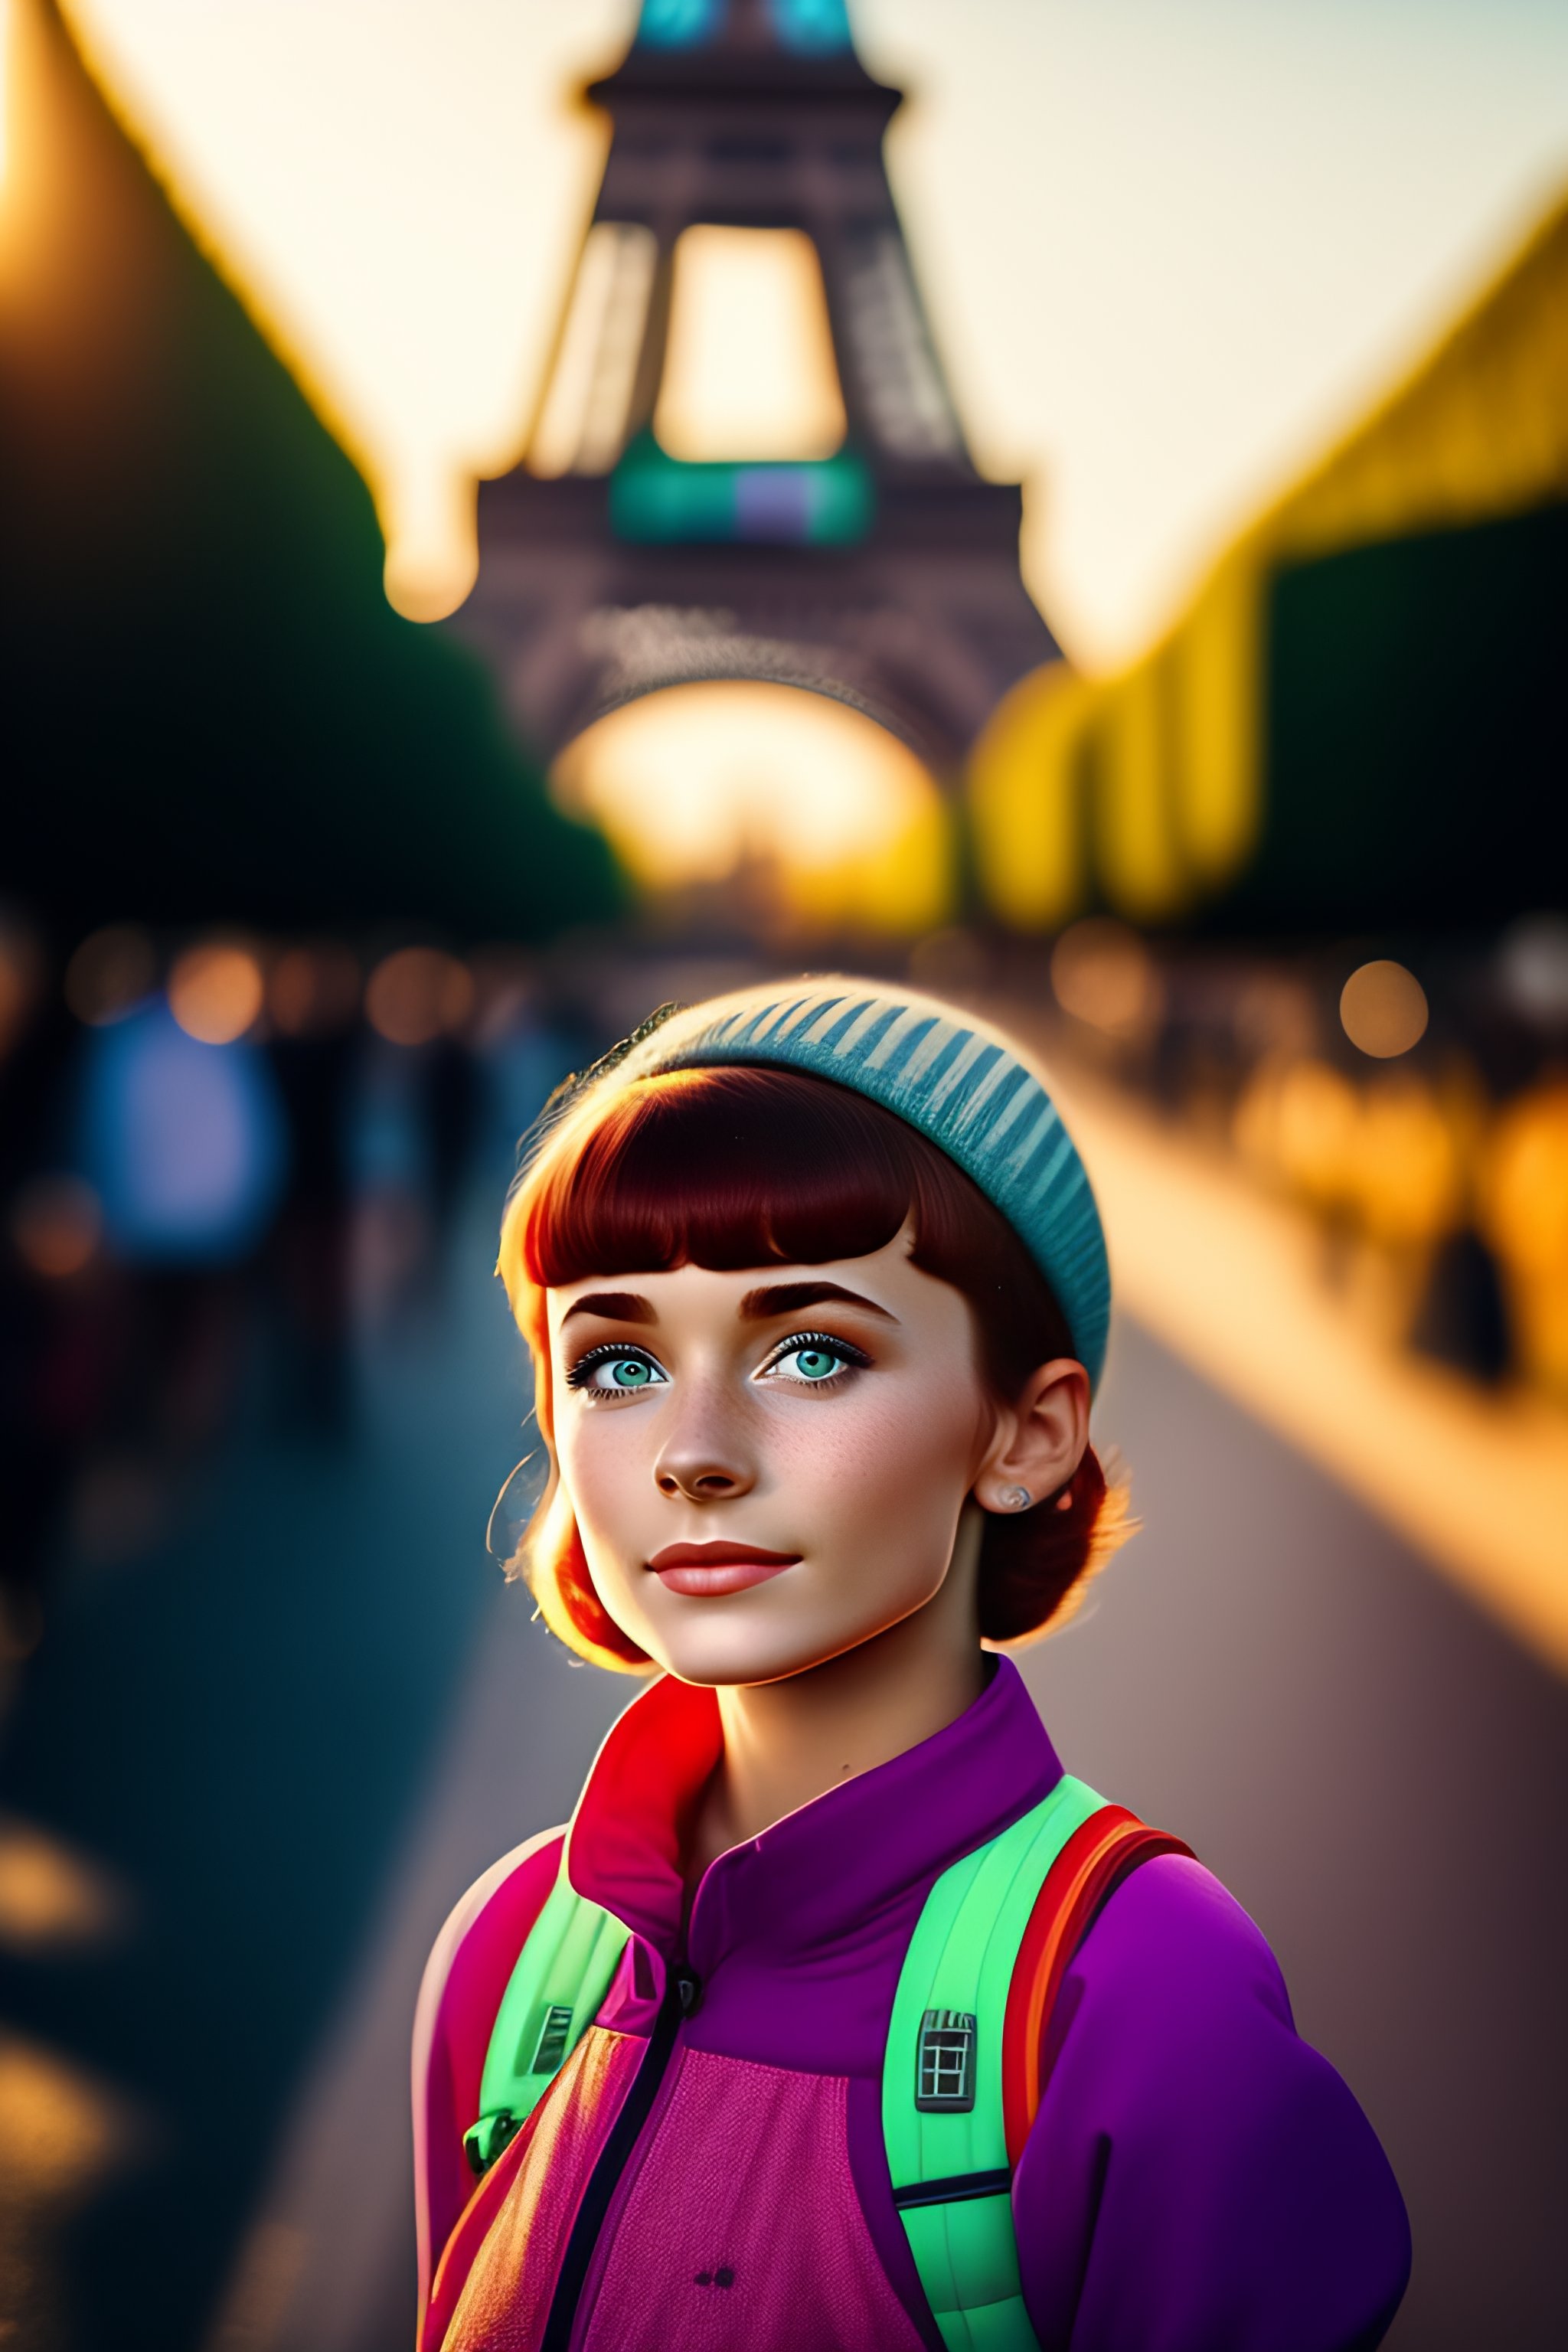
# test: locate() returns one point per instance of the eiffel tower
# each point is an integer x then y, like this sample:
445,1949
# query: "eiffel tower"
876,567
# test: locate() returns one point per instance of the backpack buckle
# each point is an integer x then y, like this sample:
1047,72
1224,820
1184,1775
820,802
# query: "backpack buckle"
944,2063
484,2141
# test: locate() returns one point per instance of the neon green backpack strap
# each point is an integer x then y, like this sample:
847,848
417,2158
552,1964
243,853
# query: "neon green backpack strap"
561,1976
942,2079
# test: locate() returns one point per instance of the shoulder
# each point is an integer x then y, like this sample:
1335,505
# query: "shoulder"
500,1907
467,1973
1175,1945
1175,2007
1210,2147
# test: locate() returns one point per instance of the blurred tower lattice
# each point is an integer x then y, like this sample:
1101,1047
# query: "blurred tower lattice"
746,462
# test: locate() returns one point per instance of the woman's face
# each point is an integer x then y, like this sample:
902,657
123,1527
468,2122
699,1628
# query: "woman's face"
768,1467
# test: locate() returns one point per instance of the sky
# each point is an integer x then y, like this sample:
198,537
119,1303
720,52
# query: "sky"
1171,246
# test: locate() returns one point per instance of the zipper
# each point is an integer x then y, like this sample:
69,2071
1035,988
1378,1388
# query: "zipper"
681,1996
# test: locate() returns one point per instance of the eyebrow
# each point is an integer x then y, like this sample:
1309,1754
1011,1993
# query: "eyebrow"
789,1297
614,1306
757,1307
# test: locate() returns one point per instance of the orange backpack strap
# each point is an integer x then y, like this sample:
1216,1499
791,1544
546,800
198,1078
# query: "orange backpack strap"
1088,1871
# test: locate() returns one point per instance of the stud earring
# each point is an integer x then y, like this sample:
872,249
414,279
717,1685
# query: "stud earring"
1017,1498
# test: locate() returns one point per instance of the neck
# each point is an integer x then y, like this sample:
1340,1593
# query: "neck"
786,1742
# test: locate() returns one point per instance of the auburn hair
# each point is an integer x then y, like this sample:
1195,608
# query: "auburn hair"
742,1166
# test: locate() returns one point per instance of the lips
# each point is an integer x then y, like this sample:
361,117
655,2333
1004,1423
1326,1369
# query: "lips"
704,1569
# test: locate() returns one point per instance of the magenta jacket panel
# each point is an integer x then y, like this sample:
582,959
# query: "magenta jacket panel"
1198,2179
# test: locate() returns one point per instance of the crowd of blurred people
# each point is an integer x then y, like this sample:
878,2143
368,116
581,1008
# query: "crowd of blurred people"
222,1157
1420,1120
219,1159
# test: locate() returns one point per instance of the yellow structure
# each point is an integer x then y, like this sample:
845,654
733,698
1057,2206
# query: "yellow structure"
1145,790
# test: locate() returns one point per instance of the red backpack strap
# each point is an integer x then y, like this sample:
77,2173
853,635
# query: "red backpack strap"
463,1982
1088,1871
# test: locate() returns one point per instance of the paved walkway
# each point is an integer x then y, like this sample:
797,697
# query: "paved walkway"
237,1729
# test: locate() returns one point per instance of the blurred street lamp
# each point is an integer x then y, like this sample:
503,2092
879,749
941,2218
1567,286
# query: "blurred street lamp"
216,992
418,994
1104,975
1383,1009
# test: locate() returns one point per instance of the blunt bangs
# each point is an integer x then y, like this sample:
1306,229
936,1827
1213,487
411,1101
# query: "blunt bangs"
725,1168
729,1167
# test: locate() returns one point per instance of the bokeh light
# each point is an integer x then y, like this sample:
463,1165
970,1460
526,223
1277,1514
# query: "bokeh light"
503,989
57,1225
21,973
1384,1009
418,994
216,992
1527,1188
58,2129
1273,1013
4,87
313,988
1534,969
49,1897
1524,1215
950,963
1410,1188
1389,1157
111,973
1298,1124
1103,974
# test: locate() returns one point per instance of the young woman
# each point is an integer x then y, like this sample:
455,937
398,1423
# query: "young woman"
839,2019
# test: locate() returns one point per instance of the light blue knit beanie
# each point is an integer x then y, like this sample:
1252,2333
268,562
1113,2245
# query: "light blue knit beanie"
959,1081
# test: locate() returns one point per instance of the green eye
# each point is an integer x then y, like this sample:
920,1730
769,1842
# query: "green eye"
815,1358
608,1372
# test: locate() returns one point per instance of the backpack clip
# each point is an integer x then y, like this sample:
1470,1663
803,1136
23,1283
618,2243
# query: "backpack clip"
944,2063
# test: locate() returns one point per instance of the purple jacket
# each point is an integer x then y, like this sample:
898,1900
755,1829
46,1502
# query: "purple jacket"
1197,2179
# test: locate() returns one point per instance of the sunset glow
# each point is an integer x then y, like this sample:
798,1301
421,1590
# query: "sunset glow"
699,782
749,371
1166,251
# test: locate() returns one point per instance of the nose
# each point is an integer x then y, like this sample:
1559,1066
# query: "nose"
703,1461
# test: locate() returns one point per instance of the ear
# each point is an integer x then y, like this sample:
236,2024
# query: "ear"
1039,1440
